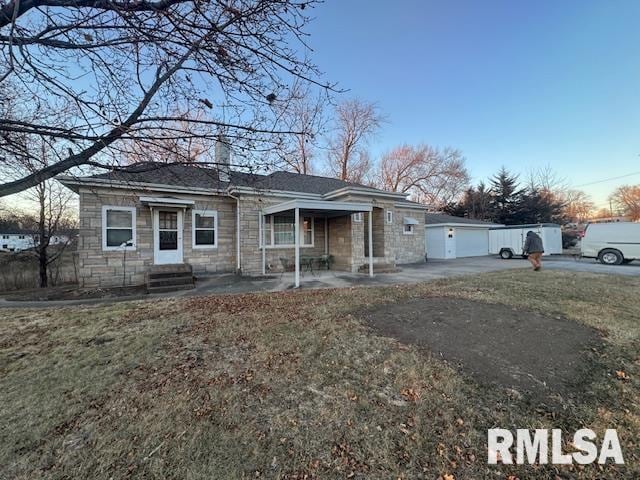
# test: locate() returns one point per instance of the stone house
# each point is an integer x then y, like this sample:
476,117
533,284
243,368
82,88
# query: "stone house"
152,216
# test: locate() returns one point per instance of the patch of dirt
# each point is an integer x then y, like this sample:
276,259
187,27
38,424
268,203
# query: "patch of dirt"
72,293
496,344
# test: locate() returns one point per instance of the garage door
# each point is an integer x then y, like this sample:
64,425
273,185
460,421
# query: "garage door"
472,242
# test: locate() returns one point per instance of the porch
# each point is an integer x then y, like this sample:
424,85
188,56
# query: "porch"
339,240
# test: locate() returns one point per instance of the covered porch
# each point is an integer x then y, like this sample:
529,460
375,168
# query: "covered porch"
327,211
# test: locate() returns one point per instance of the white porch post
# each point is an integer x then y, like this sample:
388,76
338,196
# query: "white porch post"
326,236
370,243
262,242
297,246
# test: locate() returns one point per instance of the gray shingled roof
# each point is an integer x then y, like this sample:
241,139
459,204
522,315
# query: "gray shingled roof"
436,218
199,176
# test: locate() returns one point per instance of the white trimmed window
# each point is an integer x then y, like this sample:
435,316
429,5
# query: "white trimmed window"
357,217
279,231
389,214
407,229
118,228
204,228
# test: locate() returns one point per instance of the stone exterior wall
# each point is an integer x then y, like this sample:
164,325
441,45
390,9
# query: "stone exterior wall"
342,231
98,267
346,238
221,259
378,217
409,248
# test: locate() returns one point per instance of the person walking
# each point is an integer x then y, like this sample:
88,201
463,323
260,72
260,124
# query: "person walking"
534,248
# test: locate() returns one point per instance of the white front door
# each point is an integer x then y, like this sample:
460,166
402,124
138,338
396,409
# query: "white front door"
167,236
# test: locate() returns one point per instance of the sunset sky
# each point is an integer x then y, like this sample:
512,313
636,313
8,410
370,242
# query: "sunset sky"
509,83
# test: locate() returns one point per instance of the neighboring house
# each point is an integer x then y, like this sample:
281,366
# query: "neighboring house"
18,240
214,220
447,236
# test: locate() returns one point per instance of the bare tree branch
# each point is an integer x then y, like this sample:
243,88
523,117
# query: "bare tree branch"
99,75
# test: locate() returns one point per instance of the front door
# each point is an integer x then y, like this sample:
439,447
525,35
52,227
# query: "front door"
167,236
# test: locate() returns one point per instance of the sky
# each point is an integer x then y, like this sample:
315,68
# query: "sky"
515,83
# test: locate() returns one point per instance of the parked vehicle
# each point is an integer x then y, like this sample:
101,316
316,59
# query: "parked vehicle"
508,241
611,243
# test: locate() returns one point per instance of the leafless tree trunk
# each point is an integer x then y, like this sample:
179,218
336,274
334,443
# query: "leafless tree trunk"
355,123
153,66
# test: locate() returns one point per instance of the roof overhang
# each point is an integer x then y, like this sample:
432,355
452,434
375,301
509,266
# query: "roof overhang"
75,184
363,191
268,192
329,208
414,206
166,202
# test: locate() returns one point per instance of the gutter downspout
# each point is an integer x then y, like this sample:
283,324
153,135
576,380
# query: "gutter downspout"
238,263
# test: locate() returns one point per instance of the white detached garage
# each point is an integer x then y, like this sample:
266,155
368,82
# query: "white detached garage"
447,236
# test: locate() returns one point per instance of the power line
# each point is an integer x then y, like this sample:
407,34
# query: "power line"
607,179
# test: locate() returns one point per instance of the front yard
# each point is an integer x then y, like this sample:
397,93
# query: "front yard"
312,384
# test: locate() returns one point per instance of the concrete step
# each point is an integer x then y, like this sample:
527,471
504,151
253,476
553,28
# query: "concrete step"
168,278
163,275
170,268
169,288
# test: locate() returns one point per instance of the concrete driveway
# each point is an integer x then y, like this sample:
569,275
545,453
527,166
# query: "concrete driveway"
421,272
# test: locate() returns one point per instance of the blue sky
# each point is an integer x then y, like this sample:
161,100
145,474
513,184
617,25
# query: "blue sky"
510,83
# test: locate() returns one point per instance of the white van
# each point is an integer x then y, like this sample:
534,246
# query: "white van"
508,241
611,243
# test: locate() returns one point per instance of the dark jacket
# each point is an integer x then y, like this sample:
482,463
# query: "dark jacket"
533,244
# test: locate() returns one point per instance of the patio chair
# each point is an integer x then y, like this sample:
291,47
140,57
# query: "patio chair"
326,260
285,265
306,262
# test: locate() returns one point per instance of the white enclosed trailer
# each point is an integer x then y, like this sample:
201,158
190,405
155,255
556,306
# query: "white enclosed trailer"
508,241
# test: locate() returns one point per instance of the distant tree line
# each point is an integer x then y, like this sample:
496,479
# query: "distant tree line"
505,200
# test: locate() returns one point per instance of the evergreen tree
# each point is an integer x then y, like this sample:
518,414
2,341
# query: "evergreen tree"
540,206
506,197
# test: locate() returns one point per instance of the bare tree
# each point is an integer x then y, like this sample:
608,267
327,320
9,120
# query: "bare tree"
93,77
435,177
577,206
195,146
53,220
627,200
355,123
305,113
52,201
546,179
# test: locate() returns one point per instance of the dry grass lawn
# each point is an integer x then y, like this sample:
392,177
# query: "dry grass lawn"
293,385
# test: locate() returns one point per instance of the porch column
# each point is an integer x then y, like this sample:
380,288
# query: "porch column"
326,236
370,243
262,242
297,246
